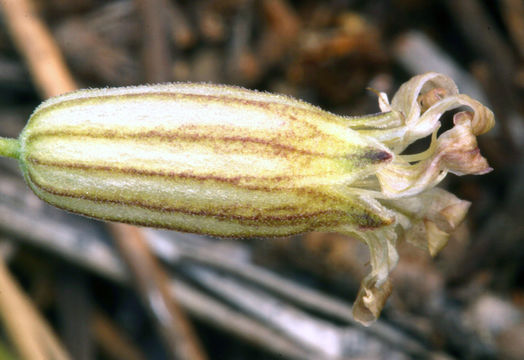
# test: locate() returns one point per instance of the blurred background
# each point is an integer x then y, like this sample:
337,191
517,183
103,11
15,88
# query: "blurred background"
76,288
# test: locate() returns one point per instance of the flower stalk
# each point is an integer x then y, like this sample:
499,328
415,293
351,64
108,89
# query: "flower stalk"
231,162
9,147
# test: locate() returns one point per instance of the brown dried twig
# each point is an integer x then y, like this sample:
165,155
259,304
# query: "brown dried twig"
36,44
16,320
32,336
155,51
111,339
152,285
513,12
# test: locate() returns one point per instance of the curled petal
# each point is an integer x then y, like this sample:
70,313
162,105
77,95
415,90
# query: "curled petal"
402,179
376,287
370,300
428,121
453,213
406,98
429,217
437,238
482,118
426,235
454,151
419,104
458,147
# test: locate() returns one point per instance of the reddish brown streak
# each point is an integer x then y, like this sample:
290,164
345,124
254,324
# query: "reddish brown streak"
237,180
236,234
111,134
294,219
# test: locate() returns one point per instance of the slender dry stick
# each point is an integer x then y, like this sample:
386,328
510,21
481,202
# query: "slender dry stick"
30,332
153,285
74,311
155,52
44,332
513,14
36,44
112,340
16,319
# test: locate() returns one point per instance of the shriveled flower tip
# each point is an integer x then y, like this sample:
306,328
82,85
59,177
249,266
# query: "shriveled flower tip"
424,215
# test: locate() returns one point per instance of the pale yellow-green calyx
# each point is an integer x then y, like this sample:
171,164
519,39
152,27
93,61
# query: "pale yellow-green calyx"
201,158
227,161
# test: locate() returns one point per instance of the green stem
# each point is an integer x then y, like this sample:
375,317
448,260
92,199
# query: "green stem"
9,147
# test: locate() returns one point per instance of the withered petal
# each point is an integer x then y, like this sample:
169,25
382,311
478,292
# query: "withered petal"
370,300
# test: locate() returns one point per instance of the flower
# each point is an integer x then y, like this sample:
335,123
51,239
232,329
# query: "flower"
232,162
